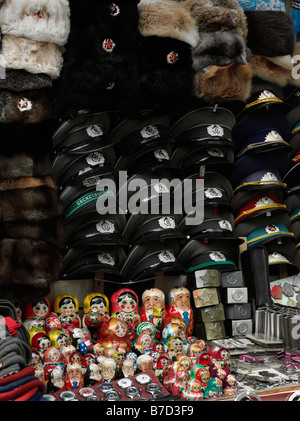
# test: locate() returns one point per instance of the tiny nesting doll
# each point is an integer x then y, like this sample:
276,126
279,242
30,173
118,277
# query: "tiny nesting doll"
67,308
96,311
193,391
114,334
124,305
74,376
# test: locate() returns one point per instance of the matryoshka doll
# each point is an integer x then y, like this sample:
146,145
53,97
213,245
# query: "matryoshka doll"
180,305
128,368
222,356
162,366
75,357
92,375
175,347
181,379
124,305
214,388
185,361
58,338
144,363
66,352
153,309
67,308
35,313
119,357
39,340
74,376
108,369
229,385
86,360
146,341
201,373
193,391
53,356
114,334
56,381
146,327
170,377
96,310
52,322
216,370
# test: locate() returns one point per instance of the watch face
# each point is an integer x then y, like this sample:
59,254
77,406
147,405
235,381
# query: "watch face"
106,387
132,392
93,398
143,378
112,396
153,387
67,396
85,392
124,383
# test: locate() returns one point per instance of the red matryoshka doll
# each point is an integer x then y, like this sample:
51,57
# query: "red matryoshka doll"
193,391
75,357
216,370
229,385
201,373
67,308
114,334
185,361
39,340
52,322
214,388
98,349
146,341
204,359
53,356
180,305
170,377
175,347
95,309
153,309
220,355
58,338
74,376
162,366
181,379
86,360
124,305
194,350
35,313
159,347
36,360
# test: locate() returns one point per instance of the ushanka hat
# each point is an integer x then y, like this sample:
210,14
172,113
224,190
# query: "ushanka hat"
20,80
32,56
38,20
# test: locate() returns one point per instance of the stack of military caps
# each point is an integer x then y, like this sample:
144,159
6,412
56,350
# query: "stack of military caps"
203,137
100,69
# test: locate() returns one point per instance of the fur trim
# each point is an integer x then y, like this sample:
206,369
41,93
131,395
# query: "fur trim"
270,33
167,78
28,107
32,56
167,18
28,269
32,205
222,84
51,231
25,183
38,20
20,80
24,165
220,49
218,15
272,69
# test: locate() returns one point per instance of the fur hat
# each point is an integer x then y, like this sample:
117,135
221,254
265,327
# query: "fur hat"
33,56
100,71
165,69
219,49
20,80
38,20
32,204
270,33
24,165
167,18
222,84
28,107
218,15
27,269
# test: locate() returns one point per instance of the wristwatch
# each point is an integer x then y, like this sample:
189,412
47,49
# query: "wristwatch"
93,398
49,397
143,379
85,392
67,395
155,390
132,392
112,396
106,387
124,383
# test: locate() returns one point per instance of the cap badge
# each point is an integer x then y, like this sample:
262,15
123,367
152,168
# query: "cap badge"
275,257
108,45
90,182
212,193
24,104
271,229
264,201
149,131
273,136
172,57
269,176
225,225
105,227
215,152
161,154
167,222
106,259
217,256
95,158
215,130
266,94
94,130
166,256
114,9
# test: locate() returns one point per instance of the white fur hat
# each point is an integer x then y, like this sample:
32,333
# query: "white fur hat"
39,20
33,56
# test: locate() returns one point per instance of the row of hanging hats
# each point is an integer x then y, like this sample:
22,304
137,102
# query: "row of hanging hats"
31,57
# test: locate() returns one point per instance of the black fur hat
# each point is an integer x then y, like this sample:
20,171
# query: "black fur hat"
165,72
270,33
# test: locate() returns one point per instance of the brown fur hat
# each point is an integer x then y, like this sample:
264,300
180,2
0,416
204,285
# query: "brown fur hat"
28,107
32,205
28,268
167,18
24,165
272,69
222,84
